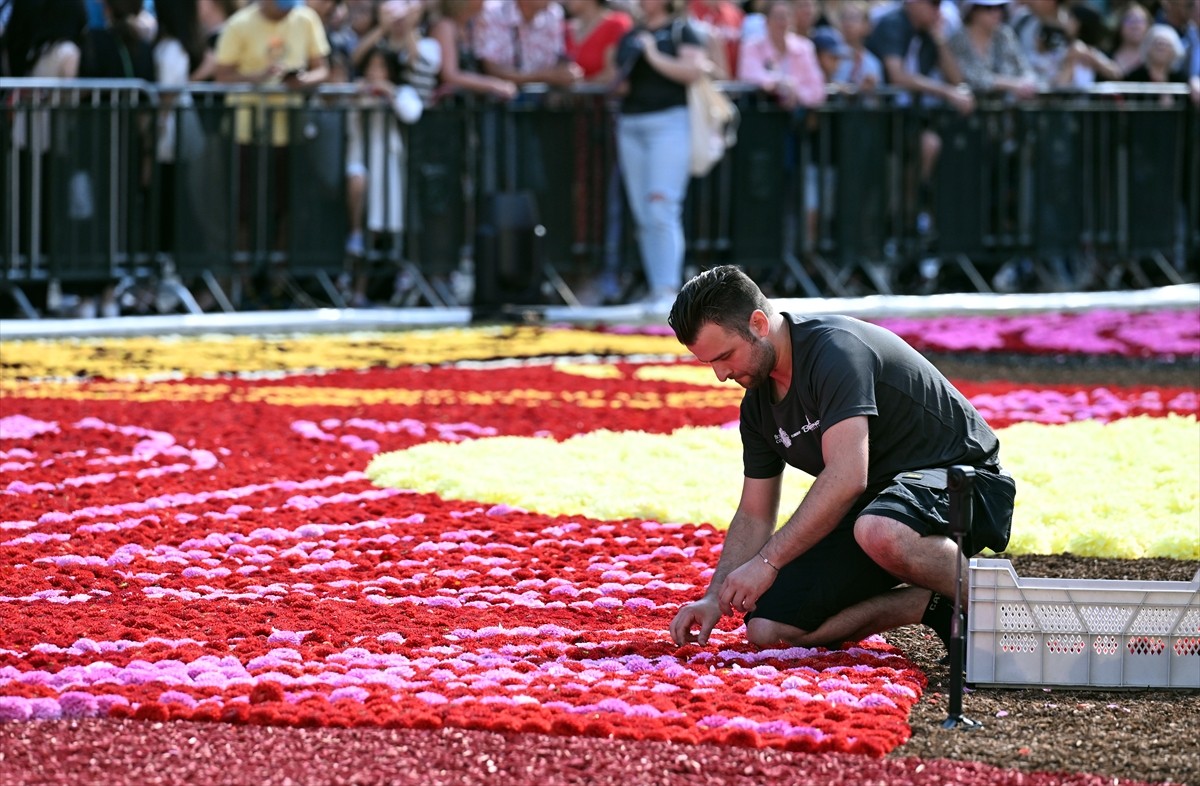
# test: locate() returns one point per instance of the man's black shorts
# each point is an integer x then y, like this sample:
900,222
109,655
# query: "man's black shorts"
836,573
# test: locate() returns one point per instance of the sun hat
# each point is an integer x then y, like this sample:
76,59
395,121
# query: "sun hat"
966,6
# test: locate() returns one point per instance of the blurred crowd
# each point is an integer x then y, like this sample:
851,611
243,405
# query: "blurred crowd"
408,54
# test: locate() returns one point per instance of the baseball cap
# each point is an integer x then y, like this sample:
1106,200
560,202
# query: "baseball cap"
826,39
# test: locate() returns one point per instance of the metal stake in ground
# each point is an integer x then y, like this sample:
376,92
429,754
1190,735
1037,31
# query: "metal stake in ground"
960,483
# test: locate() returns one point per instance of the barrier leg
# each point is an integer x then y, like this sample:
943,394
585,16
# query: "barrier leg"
22,300
214,289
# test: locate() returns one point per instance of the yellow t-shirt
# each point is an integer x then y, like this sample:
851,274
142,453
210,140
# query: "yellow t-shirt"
251,43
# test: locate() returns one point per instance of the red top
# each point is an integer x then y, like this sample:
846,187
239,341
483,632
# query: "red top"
725,19
589,53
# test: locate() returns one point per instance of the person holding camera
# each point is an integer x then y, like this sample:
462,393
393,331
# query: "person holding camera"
1058,40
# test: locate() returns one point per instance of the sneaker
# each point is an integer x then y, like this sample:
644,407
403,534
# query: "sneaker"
658,304
1006,279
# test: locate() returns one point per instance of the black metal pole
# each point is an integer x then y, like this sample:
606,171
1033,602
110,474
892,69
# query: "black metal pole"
960,484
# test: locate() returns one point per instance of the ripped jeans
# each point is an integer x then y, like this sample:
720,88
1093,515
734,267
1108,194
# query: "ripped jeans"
654,150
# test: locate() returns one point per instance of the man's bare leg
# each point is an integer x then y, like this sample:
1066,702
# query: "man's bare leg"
903,606
928,561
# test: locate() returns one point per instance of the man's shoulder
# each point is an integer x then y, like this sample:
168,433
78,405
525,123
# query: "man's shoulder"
818,321
892,20
823,332
890,33
305,16
307,13
246,17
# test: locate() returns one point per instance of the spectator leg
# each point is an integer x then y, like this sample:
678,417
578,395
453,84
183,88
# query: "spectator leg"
356,191
655,149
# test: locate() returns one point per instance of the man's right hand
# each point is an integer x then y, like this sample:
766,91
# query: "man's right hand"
703,614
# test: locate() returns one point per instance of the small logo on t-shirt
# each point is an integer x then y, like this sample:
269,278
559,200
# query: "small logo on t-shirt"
785,439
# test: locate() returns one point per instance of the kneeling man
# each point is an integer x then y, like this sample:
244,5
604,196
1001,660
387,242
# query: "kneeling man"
877,426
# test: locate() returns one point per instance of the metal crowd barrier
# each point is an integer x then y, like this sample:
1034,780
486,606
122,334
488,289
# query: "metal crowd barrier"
1086,190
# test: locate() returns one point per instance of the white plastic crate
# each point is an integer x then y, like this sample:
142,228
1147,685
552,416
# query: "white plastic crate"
1081,632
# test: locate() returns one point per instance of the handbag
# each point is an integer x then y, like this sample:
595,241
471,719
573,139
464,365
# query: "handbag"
713,119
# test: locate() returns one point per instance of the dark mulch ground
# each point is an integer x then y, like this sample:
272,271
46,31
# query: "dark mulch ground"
1149,735
1131,734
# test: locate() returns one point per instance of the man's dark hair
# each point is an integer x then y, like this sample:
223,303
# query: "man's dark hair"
724,296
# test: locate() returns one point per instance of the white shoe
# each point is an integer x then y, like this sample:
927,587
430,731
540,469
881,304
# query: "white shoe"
659,304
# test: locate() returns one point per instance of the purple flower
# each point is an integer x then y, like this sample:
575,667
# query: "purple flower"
14,708
286,637
78,704
177,697
351,693
44,709
108,701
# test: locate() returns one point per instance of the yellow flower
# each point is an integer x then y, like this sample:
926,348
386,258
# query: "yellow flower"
1125,489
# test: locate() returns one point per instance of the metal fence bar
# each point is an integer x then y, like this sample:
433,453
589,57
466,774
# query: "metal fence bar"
1064,176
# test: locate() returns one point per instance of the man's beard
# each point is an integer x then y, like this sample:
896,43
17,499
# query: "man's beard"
762,360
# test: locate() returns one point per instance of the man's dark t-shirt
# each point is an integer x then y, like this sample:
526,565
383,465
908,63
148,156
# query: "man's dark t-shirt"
894,36
650,91
844,368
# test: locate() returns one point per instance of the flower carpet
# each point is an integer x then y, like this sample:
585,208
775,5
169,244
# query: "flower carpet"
484,530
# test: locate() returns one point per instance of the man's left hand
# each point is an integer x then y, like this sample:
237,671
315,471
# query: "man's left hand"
744,586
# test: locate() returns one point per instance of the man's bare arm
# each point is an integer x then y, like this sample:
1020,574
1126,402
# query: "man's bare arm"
901,77
844,448
749,529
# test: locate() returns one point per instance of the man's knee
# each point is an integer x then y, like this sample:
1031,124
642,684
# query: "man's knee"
881,538
761,632
764,633
931,145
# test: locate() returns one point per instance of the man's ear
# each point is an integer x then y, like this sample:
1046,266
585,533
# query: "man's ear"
760,323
